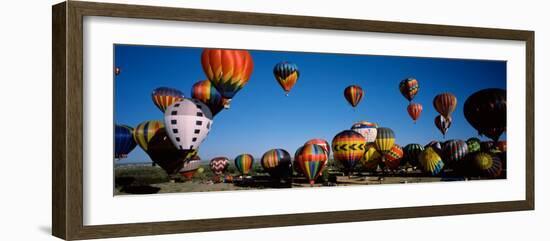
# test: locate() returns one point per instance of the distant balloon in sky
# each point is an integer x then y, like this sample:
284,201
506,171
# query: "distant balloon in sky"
414,110
144,132
187,123
243,163
117,71
228,70
277,163
348,148
366,129
485,110
353,94
445,104
443,124
311,158
219,165
124,141
165,96
207,94
409,88
286,74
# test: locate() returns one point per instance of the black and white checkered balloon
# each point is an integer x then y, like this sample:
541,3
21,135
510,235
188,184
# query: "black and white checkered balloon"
187,123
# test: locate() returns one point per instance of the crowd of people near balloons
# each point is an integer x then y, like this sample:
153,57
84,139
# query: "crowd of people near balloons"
173,143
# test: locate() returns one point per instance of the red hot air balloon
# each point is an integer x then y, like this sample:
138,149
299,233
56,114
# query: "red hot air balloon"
353,94
445,104
414,110
443,124
228,70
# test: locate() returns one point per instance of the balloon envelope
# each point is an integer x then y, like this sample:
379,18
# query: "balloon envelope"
371,158
228,70
411,153
443,124
165,154
188,123
431,161
353,94
385,138
454,151
124,141
485,110
165,96
277,163
145,131
414,110
243,163
312,159
207,94
367,129
286,74
445,104
218,165
392,158
348,148
409,88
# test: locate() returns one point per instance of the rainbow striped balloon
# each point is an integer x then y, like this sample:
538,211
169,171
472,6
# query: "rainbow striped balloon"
409,88
228,70
164,97
145,131
392,158
322,143
286,74
348,147
207,94
244,162
353,94
312,159
277,163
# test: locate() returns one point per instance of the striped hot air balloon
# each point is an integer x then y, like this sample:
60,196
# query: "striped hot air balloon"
190,167
409,88
414,110
286,74
312,159
218,165
295,163
487,165
348,148
371,158
443,124
431,161
243,163
474,145
367,129
322,143
353,94
164,97
385,138
454,151
145,131
124,141
277,163
392,158
411,153
228,70
445,104
207,94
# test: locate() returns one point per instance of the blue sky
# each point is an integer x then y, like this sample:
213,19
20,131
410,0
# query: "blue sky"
261,117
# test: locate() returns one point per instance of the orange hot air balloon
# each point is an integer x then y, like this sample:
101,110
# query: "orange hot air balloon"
353,94
286,74
228,70
414,110
445,104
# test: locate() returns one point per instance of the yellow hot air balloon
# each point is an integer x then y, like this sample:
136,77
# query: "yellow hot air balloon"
431,161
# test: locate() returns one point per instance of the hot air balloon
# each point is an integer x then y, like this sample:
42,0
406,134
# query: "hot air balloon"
348,148
454,151
366,129
295,163
117,71
474,145
431,161
243,163
144,132
353,94
187,122
434,144
164,97
277,163
445,104
487,146
371,158
414,110
392,158
190,167
322,143
165,154
501,146
286,74
207,94
408,88
311,158
385,138
488,165
411,153
443,124
485,110
218,165
124,141
228,70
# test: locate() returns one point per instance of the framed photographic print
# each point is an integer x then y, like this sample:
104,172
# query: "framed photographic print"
259,120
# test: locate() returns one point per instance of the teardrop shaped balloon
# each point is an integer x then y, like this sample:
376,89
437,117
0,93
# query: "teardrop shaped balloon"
474,145
218,165
164,97
243,163
286,74
409,88
124,141
188,123
312,159
371,158
117,71
488,165
414,110
485,110
322,143
443,124
411,153
207,94
228,70
190,167
161,150
454,152
445,104
385,138
431,162
393,157
367,129
353,94
348,148
277,163
144,132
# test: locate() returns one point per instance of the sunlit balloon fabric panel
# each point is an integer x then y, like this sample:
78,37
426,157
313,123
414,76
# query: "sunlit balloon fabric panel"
187,123
322,143
409,88
348,148
392,158
244,163
164,97
431,161
145,131
385,138
353,94
124,141
207,94
445,104
454,151
311,159
367,129
228,70
488,165
371,158
286,74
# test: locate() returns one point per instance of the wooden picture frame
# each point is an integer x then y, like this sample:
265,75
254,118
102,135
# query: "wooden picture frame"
67,76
